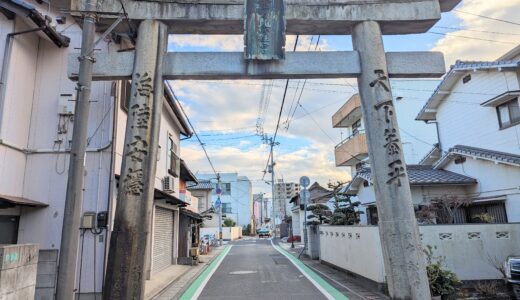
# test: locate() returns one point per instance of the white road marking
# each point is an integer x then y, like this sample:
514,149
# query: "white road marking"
242,272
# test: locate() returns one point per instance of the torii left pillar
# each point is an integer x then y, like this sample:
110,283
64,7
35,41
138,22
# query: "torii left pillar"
127,258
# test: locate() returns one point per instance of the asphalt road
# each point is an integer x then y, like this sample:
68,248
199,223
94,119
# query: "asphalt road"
254,269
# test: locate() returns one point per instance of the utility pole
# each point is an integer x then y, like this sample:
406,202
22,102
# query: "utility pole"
219,191
273,221
74,196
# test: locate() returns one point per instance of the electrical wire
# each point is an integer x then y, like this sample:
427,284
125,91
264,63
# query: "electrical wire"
471,38
192,128
486,17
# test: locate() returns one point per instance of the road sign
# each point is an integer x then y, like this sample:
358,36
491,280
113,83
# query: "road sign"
218,203
305,181
305,195
218,191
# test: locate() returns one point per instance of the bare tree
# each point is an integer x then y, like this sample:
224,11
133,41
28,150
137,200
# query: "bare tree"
443,209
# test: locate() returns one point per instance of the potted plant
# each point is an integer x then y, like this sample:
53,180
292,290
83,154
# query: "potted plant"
443,282
483,218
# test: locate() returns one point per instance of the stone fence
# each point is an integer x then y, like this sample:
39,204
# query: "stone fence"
18,267
472,251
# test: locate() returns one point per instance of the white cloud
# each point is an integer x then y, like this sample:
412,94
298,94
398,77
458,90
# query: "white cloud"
456,48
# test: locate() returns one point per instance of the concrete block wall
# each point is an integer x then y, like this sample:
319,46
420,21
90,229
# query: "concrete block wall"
46,276
357,249
18,267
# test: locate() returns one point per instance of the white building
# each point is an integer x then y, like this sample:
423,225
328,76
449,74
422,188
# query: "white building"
416,138
477,111
477,154
236,197
36,123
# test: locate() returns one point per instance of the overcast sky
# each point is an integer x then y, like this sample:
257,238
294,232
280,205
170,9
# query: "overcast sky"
225,113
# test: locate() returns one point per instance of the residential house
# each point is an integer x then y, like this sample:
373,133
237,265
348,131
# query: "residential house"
202,191
36,124
236,197
318,194
476,109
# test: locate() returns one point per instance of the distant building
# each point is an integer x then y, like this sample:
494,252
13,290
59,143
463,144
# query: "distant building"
236,197
284,191
202,191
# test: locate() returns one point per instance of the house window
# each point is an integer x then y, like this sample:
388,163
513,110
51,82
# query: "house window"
125,94
172,159
373,218
466,79
487,213
226,208
509,114
226,188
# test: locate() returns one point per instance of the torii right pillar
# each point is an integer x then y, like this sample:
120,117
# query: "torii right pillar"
404,260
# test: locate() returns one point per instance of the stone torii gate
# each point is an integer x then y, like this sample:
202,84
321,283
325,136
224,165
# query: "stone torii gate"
264,58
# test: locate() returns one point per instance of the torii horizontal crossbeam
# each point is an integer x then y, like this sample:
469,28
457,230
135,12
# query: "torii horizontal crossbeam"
302,16
232,65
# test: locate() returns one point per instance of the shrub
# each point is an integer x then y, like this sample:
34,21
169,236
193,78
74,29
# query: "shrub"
229,223
442,282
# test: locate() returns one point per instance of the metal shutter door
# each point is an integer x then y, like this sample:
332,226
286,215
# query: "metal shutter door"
163,239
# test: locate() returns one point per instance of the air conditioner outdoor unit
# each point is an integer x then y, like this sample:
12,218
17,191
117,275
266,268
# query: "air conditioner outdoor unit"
168,184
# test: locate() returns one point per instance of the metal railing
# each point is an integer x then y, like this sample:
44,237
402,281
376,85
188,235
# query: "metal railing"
350,137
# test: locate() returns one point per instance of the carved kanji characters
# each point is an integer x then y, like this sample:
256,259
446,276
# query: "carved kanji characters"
381,80
133,182
389,109
397,172
138,150
392,142
142,115
144,84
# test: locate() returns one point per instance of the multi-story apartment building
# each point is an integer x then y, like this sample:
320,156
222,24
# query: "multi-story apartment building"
476,154
236,197
416,138
36,122
284,191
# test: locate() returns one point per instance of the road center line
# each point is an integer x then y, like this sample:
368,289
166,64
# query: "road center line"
323,286
195,289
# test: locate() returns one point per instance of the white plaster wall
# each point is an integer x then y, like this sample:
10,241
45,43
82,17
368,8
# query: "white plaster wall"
228,233
493,180
462,121
356,249
362,254
417,137
36,78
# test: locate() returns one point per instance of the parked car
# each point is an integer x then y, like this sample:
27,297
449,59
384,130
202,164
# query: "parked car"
263,232
512,270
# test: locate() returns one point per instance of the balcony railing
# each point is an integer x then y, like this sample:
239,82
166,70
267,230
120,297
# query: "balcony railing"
352,150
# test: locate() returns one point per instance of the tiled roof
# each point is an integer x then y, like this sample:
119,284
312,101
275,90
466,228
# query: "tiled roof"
502,157
202,185
426,175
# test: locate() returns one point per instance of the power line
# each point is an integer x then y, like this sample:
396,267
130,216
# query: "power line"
192,128
474,30
301,92
486,17
471,38
280,114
